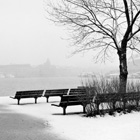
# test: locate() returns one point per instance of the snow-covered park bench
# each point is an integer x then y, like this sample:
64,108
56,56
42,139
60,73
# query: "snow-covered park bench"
55,92
27,94
72,100
126,100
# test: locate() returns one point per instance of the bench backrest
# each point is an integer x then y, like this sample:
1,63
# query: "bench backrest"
107,97
68,100
28,94
75,91
131,96
56,92
77,99
111,97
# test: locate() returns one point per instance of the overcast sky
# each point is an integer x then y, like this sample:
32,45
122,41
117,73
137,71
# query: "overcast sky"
27,37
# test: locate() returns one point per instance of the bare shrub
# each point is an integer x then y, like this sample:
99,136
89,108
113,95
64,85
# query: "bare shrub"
100,85
133,86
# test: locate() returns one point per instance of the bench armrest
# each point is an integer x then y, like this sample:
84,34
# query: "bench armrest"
13,97
55,105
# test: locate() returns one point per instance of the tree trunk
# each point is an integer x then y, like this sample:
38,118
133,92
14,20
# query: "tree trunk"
123,70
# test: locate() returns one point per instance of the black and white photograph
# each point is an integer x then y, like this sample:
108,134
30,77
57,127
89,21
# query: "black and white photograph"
69,69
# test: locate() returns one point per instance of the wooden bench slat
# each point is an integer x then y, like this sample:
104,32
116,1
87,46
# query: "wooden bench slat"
74,91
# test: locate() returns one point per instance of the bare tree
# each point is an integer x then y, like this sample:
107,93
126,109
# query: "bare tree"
102,25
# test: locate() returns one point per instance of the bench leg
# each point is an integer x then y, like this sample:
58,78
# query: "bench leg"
64,110
114,105
35,100
97,107
18,101
137,103
124,105
47,99
84,109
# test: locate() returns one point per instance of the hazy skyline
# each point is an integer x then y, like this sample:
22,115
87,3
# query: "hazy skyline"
27,37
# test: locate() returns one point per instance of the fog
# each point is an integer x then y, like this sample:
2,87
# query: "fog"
27,37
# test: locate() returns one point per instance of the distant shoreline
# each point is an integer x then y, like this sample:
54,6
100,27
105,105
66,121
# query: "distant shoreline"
9,86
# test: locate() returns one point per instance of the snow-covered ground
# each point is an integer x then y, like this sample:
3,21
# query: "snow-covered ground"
74,126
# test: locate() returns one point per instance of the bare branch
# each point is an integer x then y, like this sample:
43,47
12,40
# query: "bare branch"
96,24
127,12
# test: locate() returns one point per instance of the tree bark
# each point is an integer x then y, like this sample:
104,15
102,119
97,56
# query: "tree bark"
123,70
